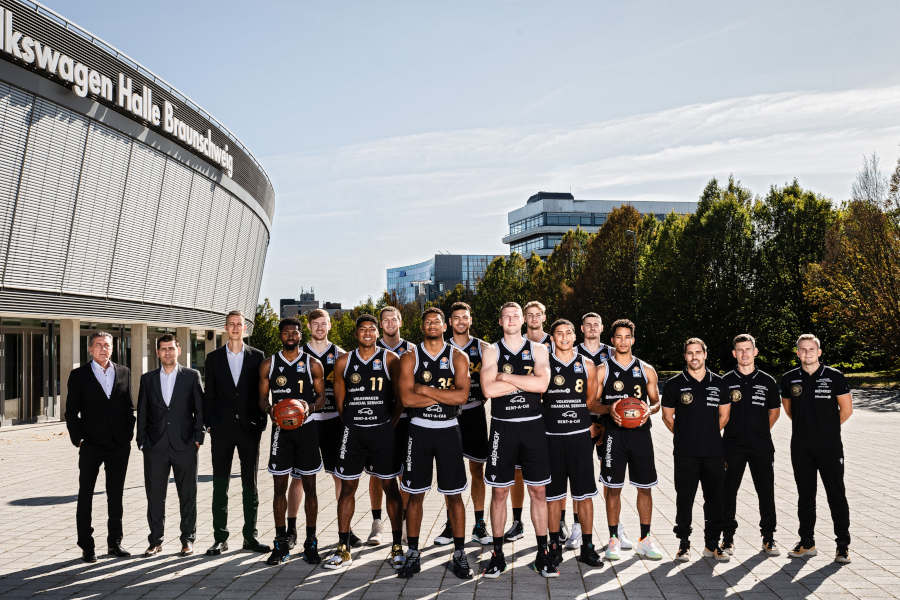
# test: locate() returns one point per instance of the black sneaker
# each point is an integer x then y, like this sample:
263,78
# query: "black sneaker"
496,565
728,546
842,556
515,532
311,551
684,552
291,538
459,564
281,553
445,537
589,556
355,542
556,554
480,534
543,565
411,566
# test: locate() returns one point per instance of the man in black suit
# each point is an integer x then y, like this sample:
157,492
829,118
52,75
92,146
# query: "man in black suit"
169,432
100,419
233,419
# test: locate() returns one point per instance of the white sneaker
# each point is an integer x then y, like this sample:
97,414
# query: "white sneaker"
623,539
613,548
648,549
375,534
563,530
574,541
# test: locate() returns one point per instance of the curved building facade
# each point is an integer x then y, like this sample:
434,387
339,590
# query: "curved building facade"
123,206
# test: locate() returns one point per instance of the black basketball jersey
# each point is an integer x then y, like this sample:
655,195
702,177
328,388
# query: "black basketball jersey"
291,380
519,404
327,358
402,347
547,341
623,382
601,355
438,372
472,350
565,401
369,399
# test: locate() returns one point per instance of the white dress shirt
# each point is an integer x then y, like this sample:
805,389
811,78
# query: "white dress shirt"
106,378
167,383
235,362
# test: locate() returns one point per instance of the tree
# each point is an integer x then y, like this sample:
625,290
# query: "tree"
505,280
265,334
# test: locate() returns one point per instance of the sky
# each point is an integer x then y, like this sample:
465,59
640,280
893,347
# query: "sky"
396,130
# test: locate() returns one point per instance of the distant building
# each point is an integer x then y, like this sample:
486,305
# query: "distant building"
429,279
540,224
291,307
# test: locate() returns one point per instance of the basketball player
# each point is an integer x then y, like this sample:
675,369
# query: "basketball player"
755,406
623,375
433,384
567,418
293,374
514,373
364,395
390,321
472,421
327,420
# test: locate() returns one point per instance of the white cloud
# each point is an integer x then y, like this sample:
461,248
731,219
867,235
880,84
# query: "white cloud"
363,207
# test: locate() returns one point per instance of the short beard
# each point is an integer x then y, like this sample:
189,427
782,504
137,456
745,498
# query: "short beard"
290,346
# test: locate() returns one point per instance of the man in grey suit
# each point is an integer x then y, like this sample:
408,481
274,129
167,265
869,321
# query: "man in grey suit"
169,432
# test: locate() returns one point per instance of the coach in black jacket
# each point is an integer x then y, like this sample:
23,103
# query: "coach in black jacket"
233,419
169,432
100,419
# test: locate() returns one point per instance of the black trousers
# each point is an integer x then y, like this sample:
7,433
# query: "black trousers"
829,464
115,464
763,473
709,472
158,463
225,438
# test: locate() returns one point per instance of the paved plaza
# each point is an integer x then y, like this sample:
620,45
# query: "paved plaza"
38,555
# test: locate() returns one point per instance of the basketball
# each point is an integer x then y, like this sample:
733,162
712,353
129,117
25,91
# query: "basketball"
631,410
289,414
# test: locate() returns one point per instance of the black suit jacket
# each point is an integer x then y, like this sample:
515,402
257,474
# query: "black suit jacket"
180,423
224,401
94,418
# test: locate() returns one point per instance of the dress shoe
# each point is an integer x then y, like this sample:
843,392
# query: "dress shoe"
255,546
118,551
89,556
153,550
187,548
217,549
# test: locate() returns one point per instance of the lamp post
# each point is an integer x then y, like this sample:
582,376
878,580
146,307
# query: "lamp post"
630,233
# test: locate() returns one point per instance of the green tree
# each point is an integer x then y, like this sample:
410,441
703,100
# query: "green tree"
505,280
265,334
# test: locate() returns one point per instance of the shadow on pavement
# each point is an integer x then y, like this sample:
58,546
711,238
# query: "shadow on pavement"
877,400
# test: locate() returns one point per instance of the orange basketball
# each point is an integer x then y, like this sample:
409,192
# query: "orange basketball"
631,410
289,414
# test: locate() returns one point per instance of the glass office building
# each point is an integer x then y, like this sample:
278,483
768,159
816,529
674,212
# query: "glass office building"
439,274
540,224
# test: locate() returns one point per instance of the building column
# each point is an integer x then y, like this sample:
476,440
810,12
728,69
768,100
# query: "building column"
140,358
69,357
184,338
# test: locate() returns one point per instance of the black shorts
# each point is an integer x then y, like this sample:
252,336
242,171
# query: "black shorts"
627,447
473,428
295,452
366,448
330,433
572,461
426,446
401,437
514,443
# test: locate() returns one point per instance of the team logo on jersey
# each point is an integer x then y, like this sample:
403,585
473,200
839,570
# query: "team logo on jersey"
281,381
330,359
426,376
636,372
280,369
578,368
473,352
526,355
559,380
376,364
301,367
619,385
735,395
355,378
445,363
796,390
507,368
687,398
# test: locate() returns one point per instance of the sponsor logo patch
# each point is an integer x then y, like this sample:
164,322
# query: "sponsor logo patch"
687,398
619,386
281,381
426,376
526,355
559,380
796,390
735,395
578,367
355,378
507,368
376,364
445,363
